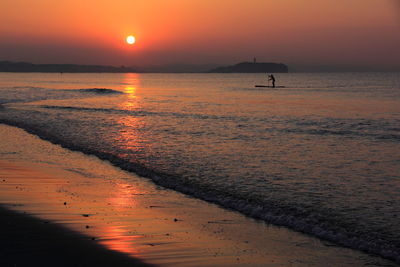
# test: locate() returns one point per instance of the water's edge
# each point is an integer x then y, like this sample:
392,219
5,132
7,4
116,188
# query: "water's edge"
267,214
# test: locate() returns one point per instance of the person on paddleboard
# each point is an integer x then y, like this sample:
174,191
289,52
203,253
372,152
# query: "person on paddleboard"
272,78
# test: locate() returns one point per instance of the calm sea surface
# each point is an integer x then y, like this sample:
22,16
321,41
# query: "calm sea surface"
321,155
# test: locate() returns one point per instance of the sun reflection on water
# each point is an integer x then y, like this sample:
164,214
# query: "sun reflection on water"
132,81
130,91
129,138
131,102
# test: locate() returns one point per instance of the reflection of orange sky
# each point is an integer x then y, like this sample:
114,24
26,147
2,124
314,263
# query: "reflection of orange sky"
132,82
130,104
129,136
118,238
123,198
43,184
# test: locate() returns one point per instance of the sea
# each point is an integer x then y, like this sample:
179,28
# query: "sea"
320,155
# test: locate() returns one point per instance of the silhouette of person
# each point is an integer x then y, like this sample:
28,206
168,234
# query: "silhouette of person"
272,78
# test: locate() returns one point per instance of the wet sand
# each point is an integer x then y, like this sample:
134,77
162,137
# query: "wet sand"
86,206
28,241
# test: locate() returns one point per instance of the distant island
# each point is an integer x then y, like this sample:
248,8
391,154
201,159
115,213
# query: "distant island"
8,66
252,67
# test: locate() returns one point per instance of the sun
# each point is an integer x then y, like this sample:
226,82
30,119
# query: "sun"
130,39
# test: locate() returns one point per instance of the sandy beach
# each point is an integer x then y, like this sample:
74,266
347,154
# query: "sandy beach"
64,206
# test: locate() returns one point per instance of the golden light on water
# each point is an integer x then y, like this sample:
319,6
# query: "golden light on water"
130,91
129,137
131,80
130,103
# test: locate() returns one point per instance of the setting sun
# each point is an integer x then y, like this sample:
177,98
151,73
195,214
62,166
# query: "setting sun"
130,39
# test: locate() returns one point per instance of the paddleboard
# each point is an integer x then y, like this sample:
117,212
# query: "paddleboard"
269,86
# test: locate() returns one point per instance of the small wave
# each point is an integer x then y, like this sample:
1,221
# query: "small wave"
100,91
77,108
15,100
377,129
141,112
347,133
28,94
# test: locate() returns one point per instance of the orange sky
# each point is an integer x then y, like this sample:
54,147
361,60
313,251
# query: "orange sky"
357,32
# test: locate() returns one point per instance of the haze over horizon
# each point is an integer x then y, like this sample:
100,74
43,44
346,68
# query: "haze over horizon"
304,32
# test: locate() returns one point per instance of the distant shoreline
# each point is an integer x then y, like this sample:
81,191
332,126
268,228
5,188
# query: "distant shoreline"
8,66
244,67
253,67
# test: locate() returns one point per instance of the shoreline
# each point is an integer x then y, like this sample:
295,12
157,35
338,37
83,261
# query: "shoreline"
130,214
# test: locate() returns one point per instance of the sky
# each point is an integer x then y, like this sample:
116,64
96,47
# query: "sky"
299,32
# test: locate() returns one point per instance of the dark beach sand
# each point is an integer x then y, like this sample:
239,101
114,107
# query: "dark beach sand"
28,241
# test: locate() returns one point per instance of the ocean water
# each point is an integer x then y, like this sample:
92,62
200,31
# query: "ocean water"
320,156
